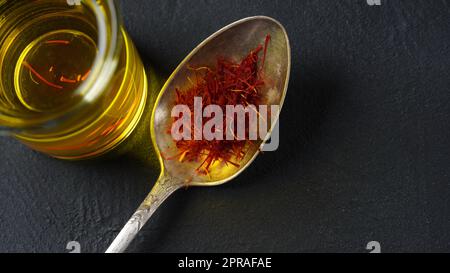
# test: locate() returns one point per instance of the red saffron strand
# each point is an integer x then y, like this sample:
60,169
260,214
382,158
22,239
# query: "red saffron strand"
66,80
63,42
86,75
29,67
266,45
229,83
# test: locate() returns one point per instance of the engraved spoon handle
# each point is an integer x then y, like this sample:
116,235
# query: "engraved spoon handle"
163,188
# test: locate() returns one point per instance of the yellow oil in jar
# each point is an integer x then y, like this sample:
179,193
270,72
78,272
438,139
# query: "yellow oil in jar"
52,67
47,52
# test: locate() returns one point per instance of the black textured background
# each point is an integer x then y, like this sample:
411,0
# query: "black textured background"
364,143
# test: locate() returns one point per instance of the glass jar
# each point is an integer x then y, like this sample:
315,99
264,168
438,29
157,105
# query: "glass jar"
72,83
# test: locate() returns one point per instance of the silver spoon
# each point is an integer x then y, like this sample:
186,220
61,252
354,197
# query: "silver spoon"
235,41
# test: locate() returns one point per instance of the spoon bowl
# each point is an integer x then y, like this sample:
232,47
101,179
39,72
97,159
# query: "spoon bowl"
234,41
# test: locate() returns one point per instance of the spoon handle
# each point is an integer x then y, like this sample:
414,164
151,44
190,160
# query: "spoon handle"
163,188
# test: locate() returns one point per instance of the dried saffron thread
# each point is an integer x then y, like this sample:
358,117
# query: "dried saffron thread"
86,75
62,79
229,83
32,70
63,42
66,80
80,78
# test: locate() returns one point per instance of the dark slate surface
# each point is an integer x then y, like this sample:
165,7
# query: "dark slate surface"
364,143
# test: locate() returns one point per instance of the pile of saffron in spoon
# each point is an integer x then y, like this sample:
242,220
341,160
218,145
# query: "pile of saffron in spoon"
228,83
